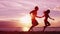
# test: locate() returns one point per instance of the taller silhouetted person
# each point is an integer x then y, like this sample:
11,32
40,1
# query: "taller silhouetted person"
33,14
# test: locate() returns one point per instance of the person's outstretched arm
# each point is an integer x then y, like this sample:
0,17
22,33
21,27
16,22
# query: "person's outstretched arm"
51,18
30,12
40,16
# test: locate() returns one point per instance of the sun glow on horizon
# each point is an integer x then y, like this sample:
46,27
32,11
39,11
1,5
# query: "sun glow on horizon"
25,29
26,20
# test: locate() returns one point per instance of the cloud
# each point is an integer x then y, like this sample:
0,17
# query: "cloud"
57,8
16,4
10,4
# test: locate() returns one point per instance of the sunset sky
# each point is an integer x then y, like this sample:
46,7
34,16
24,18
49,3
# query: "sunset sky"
18,10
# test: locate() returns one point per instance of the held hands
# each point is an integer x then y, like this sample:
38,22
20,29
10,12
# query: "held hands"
38,17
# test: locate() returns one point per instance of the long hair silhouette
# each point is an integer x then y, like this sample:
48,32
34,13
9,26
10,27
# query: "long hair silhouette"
46,15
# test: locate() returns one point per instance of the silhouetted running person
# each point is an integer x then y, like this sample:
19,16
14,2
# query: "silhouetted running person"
33,14
46,15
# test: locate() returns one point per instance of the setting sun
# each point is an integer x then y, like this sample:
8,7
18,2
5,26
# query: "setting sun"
25,29
26,20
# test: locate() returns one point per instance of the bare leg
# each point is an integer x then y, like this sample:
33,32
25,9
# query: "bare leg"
31,28
46,25
44,28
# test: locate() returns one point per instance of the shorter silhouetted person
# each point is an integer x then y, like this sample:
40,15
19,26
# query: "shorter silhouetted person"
33,14
46,15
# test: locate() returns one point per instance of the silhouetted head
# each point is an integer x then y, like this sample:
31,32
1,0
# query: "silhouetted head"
48,11
36,8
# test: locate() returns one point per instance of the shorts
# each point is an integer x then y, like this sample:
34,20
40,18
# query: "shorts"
34,22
